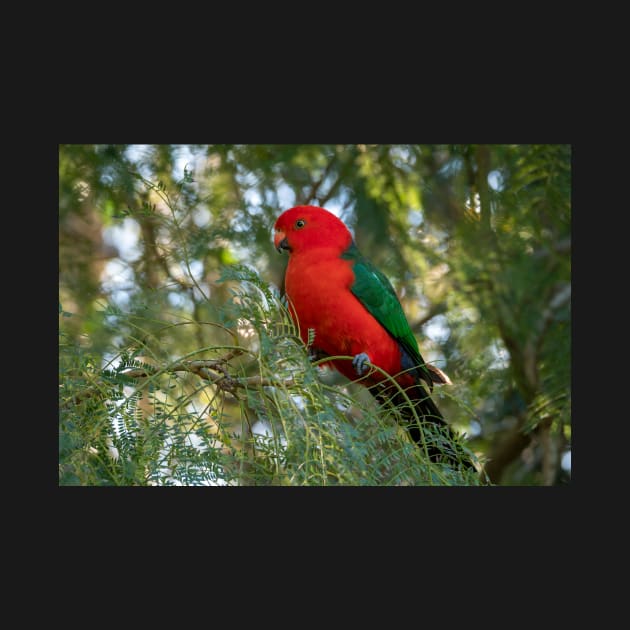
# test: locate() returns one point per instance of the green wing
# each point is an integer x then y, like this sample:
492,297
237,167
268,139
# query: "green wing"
377,294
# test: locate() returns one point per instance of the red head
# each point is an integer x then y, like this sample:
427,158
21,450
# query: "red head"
307,228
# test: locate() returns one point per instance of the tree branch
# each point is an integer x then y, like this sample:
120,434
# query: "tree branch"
147,226
212,370
436,309
316,185
550,454
343,172
530,353
506,450
222,378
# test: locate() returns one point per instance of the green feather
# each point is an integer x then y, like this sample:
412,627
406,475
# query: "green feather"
376,293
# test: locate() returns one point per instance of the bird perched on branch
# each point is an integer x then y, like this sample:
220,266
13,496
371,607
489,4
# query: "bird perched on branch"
351,308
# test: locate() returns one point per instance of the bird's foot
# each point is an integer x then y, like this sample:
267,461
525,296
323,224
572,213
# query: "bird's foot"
360,363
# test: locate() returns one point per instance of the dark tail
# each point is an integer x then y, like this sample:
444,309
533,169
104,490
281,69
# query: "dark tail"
433,433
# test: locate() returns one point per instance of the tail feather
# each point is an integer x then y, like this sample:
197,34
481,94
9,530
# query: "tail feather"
437,376
438,450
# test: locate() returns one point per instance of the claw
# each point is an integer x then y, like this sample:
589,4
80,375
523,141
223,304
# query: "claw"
359,363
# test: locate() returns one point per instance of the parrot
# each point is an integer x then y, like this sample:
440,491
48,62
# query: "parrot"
343,305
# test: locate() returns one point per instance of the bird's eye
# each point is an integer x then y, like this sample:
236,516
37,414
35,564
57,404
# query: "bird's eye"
300,223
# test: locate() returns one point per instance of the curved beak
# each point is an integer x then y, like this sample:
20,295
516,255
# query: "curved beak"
281,242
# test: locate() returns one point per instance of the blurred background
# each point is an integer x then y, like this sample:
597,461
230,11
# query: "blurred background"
476,240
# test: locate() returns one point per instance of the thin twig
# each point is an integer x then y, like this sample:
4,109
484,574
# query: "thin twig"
316,185
436,309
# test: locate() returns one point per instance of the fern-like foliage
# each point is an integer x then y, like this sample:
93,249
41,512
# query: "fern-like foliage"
255,411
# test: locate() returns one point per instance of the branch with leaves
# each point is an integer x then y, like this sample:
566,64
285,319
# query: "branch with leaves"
214,371
315,433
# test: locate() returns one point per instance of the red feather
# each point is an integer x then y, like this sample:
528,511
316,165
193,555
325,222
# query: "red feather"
318,285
